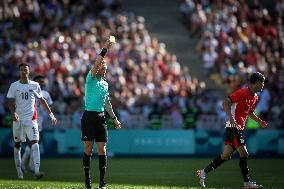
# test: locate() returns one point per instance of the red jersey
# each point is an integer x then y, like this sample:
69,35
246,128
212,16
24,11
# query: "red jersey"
244,102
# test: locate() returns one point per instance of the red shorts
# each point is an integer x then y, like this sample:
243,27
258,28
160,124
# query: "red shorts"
234,137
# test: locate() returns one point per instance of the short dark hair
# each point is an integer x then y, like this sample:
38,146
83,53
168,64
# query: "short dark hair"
37,77
23,65
255,77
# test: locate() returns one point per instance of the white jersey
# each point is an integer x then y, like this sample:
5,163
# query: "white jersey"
42,113
25,95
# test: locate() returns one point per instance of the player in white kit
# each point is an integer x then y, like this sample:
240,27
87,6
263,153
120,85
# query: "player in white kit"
42,115
22,105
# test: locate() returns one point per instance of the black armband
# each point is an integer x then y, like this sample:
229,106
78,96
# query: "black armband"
230,99
103,52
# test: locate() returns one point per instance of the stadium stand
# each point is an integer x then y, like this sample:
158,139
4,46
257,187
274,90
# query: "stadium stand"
60,39
237,38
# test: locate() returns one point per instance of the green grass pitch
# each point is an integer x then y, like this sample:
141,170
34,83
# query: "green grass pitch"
143,173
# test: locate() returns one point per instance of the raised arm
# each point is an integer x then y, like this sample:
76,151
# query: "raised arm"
99,60
110,112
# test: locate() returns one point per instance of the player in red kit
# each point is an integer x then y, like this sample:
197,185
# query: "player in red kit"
238,106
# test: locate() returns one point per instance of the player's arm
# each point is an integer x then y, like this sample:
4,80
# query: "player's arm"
234,97
45,105
11,105
227,103
108,108
257,119
49,100
43,102
47,108
99,60
11,102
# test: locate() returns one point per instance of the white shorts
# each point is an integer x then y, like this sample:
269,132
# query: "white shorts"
23,129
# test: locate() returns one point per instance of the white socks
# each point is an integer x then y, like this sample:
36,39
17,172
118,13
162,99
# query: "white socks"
32,155
36,157
26,155
31,164
18,161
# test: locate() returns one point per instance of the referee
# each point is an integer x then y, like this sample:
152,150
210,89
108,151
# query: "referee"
93,122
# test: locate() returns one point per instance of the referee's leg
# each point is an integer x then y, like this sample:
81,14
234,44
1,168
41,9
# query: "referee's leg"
88,150
88,140
101,146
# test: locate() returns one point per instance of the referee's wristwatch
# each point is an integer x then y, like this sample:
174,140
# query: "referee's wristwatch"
114,118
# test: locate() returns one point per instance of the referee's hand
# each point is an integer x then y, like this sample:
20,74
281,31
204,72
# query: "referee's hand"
109,42
117,124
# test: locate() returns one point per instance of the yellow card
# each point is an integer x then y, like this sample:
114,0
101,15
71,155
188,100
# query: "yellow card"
112,39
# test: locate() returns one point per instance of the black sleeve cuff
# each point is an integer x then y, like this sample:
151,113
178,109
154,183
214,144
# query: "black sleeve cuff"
103,52
230,99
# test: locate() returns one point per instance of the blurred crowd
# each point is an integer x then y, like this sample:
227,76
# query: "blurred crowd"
237,38
60,39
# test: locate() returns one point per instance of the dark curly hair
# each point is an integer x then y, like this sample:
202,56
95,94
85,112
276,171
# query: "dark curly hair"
255,77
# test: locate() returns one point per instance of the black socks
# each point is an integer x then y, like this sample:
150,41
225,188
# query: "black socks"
244,168
102,167
218,161
214,164
86,165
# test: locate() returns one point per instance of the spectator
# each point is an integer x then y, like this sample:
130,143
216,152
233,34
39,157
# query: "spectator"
238,38
58,39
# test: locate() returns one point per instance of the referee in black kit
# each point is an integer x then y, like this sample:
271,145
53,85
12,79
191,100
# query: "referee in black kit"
93,122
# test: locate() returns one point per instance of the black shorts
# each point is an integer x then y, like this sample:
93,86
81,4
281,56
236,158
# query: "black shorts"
234,137
93,126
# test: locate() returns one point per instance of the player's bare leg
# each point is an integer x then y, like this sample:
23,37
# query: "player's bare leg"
248,184
88,151
36,157
18,160
201,174
101,146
